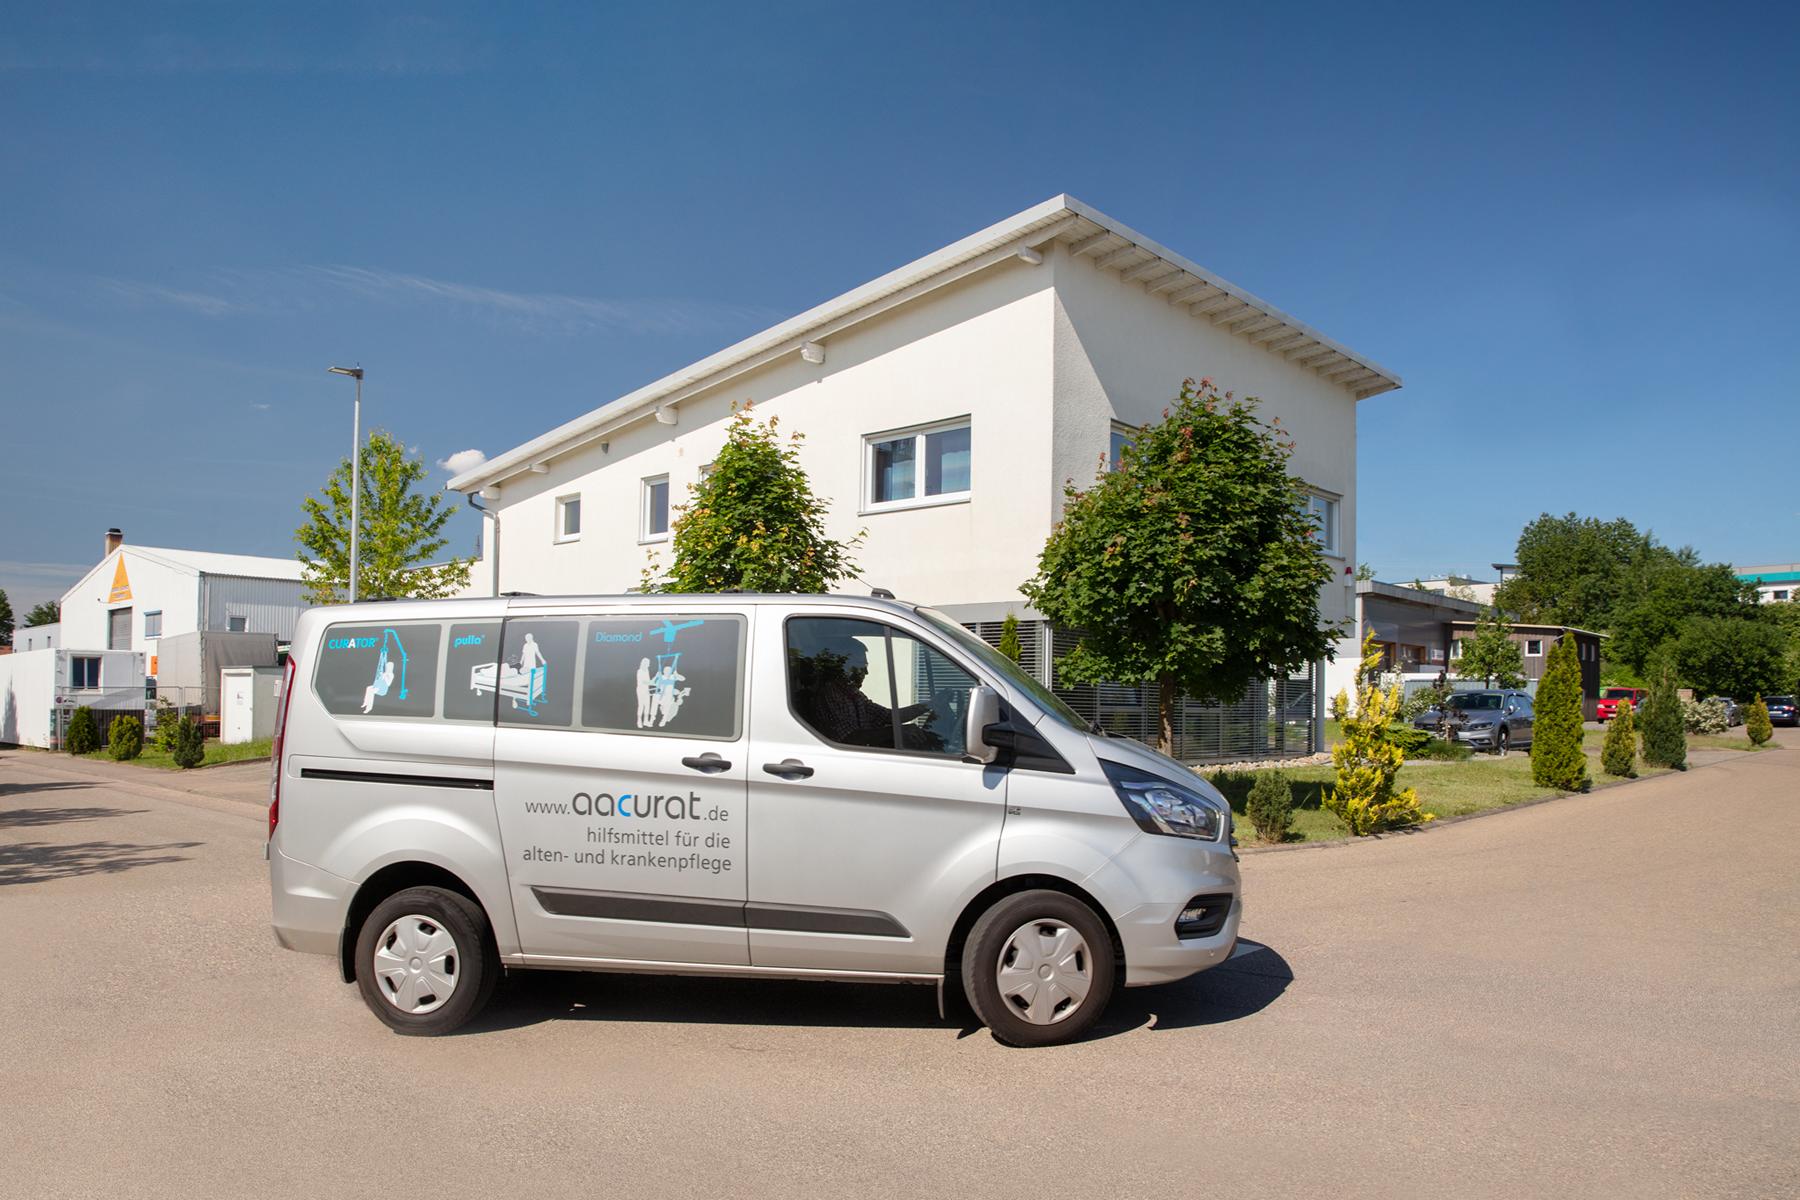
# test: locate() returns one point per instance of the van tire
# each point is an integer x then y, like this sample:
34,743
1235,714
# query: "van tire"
996,938
476,959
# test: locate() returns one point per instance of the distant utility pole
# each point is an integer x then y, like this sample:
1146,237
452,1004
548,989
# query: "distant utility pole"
355,373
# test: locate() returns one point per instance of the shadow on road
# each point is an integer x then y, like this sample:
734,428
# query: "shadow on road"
21,789
19,818
40,862
1247,984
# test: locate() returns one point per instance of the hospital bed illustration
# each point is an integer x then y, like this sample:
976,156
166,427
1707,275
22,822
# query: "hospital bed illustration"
524,688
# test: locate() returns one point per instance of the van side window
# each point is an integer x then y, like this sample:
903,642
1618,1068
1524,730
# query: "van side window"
534,680
379,670
676,675
469,671
864,684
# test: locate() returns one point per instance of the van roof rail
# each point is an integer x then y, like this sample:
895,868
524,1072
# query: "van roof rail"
881,593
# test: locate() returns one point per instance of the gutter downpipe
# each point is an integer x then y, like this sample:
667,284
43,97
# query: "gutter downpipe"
490,545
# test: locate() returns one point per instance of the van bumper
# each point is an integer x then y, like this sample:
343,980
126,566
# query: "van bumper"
1175,871
308,904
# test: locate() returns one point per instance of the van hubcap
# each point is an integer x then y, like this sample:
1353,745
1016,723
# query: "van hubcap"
416,964
1044,972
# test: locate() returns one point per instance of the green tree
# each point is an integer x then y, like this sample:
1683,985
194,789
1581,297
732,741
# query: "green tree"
49,612
1618,753
1367,758
1364,572
1670,589
1557,759
125,738
1732,656
190,744
401,531
1664,730
1490,654
1009,637
753,522
6,619
1194,566
1785,615
83,734
1572,570
1756,723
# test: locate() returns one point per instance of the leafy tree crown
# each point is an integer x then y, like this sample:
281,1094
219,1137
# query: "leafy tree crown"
753,522
401,531
1194,563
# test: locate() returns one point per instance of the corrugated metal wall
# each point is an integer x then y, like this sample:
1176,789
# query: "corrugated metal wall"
267,605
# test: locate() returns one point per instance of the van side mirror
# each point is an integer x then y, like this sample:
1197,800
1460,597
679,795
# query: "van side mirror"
984,710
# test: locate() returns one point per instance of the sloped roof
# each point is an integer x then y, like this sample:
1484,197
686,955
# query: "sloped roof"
203,562
1084,230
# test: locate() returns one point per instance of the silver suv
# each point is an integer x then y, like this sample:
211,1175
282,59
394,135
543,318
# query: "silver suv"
1497,720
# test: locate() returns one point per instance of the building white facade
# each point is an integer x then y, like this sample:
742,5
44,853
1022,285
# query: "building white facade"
1776,583
40,689
137,595
944,406
37,637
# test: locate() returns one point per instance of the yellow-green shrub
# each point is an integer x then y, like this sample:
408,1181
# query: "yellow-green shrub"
1367,758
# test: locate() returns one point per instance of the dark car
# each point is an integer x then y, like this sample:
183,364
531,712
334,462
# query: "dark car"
1489,720
1782,711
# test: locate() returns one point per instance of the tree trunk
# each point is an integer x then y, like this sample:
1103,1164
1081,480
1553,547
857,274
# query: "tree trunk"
1166,700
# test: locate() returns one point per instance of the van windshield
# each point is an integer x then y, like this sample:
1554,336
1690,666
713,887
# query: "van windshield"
1006,668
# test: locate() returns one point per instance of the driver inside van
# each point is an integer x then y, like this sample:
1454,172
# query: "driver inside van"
836,706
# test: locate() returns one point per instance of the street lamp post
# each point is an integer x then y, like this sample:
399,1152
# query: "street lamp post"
355,373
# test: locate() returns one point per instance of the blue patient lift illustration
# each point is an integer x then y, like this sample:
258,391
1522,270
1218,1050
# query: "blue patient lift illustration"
387,672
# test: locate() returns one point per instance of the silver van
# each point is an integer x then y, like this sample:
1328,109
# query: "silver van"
795,787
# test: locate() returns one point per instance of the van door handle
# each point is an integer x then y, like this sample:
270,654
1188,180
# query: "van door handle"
708,762
789,768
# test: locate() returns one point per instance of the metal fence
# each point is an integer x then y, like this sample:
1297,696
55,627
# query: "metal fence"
1275,718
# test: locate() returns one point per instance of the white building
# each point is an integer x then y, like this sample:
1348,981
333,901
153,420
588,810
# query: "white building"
944,405
1775,582
37,637
192,610
40,689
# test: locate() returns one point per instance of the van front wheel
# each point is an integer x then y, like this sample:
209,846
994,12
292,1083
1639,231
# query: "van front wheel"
426,961
1038,968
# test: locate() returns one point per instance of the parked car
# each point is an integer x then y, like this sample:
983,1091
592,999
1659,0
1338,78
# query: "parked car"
1490,720
1734,712
720,785
1782,710
1607,707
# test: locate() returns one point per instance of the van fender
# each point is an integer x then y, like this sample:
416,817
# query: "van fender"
449,841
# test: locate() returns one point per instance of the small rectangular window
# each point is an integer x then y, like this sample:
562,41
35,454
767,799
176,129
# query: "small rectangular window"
1122,437
153,624
535,676
568,518
656,509
84,673
1534,648
677,675
472,672
379,670
237,624
933,464
1324,513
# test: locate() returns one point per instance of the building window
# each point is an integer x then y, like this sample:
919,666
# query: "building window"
1456,648
84,673
237,624
153,624
1534,647
1323,510
1781,593
928,465
568,518
656,509
1123,435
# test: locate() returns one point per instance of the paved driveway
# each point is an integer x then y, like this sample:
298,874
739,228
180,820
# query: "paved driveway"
1580,998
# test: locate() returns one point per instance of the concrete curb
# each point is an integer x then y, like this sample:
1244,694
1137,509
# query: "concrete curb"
1415,830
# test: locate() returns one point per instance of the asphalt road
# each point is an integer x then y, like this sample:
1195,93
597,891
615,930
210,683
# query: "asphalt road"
1593,996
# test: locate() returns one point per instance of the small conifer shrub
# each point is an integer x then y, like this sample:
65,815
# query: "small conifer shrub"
125,738
190,744
83,736
1557,759
1618,753
1757,724
1270,806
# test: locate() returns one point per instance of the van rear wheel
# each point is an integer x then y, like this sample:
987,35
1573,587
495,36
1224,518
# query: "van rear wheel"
1038,968
426,961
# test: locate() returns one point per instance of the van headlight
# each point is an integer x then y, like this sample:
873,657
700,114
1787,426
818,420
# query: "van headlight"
1160,805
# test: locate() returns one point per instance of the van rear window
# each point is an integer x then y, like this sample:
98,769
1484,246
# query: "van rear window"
379,670
469,671
680,675
534,679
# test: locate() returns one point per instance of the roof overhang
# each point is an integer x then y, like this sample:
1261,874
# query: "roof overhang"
1084,231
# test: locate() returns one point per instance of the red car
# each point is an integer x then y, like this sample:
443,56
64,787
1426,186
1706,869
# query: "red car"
1608,705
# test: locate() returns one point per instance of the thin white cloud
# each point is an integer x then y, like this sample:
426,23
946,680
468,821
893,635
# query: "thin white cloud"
462,460
542,311
206,304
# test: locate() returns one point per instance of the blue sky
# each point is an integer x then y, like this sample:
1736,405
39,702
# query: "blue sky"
1574,230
